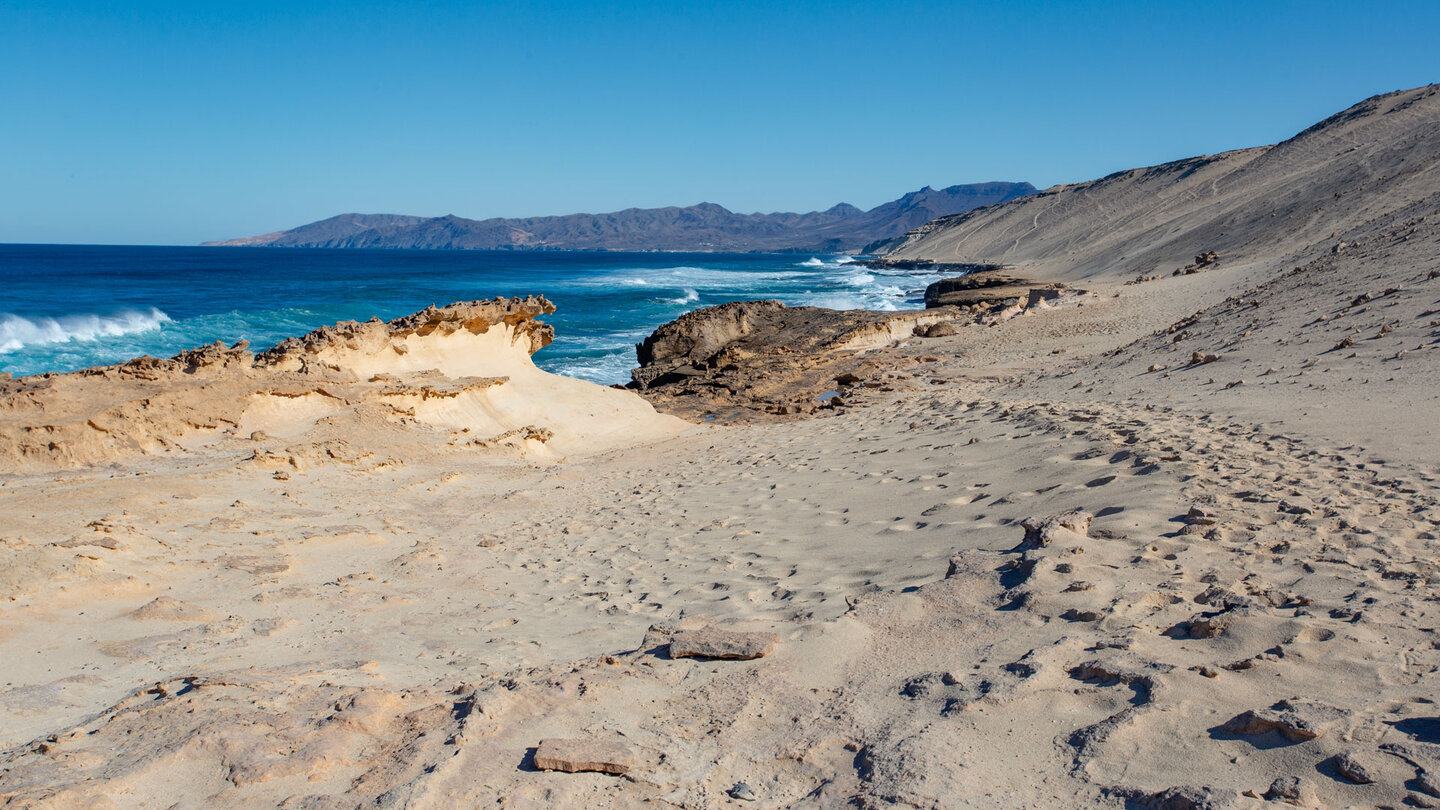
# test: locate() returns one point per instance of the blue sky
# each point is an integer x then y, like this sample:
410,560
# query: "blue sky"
171,123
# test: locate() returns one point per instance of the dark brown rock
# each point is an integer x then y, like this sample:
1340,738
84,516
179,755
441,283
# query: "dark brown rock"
756,360
1355,768
1294,791
985,286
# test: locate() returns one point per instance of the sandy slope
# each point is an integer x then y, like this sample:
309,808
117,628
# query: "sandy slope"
1376,157
401,617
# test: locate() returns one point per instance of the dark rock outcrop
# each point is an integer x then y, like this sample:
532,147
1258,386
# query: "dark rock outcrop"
985,287
752,358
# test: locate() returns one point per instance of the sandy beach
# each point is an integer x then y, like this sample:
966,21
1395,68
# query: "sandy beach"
1166,538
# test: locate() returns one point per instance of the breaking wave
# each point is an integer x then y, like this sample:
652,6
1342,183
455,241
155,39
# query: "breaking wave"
606,304
17,332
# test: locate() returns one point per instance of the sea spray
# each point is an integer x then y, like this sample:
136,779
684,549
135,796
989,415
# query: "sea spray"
18,332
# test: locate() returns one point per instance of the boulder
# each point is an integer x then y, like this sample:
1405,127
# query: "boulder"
984,286
696,336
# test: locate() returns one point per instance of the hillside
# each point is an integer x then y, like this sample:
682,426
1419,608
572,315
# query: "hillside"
1376,157
702,227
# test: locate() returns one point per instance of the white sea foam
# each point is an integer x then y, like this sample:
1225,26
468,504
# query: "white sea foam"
860,279
683,278
17,332
851,301
606,370
691,296
838,261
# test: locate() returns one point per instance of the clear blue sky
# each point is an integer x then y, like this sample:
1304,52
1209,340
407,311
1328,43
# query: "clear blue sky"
170,123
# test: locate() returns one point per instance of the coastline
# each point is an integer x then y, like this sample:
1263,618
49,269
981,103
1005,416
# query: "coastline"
1165,538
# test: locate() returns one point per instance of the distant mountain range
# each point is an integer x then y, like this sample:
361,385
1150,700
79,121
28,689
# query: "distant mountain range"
702,228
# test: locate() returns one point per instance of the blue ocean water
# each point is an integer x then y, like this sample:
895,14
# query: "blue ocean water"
66,307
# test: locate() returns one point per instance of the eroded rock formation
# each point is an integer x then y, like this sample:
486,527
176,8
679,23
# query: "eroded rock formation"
462,373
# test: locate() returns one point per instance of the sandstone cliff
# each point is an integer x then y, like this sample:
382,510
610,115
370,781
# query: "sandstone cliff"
460,374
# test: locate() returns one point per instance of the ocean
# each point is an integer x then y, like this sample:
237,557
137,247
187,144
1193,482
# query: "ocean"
65,307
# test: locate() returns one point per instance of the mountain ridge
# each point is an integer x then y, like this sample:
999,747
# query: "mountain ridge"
703,227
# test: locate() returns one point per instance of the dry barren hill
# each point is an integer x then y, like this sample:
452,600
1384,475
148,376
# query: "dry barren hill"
1378,156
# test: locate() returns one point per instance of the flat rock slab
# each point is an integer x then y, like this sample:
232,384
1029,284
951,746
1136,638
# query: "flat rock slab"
574,756
713,642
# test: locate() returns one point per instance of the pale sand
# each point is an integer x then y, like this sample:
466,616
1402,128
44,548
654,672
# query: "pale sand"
402,619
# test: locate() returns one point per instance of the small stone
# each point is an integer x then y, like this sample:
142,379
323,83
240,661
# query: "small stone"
1293,790
1296,720
742,791
1206,626
1201,516
576,755
1193,798
1352,767
712,642
1041,532
1427,783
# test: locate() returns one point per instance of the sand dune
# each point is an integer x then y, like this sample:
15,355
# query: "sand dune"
1167,544
1376,157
